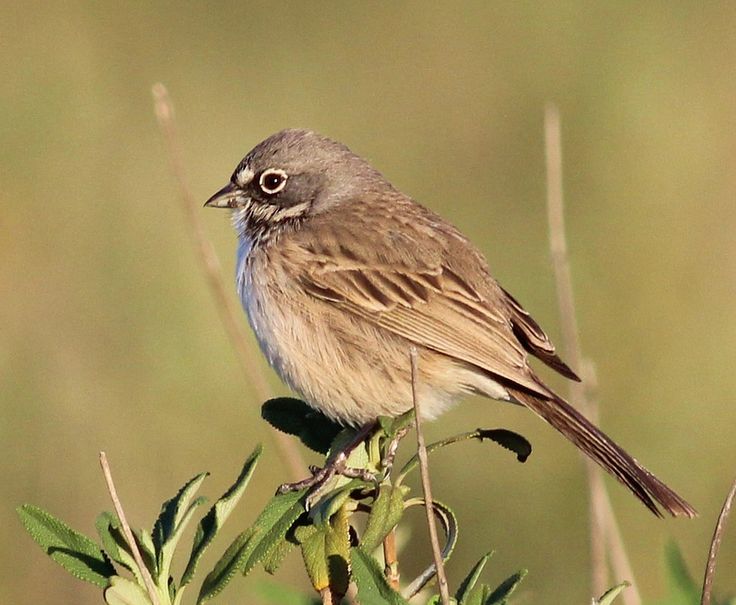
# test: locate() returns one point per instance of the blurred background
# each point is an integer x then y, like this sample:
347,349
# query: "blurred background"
109,337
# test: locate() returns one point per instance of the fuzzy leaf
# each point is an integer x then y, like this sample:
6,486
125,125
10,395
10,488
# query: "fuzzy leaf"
173,512
373,589
125,592
468,584
385,514
326,555
294,417
228,565
271,527
218,514
144,541
75,552
114,543
608,597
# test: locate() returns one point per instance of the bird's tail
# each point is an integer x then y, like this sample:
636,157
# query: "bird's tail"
601,448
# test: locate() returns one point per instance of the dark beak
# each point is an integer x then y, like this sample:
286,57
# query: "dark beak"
227,197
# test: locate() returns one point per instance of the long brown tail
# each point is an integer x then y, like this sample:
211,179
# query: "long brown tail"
596,444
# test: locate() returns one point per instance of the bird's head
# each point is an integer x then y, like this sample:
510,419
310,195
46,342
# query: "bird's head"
290,176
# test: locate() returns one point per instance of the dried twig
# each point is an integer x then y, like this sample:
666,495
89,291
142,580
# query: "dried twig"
391,559
603,527
426,487
150,586
715,544
229,313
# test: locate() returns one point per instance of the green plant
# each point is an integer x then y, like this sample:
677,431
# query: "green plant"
319,522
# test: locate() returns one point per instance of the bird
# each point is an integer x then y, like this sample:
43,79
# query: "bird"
341,274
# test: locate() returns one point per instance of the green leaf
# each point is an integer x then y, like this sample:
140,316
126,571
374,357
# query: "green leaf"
75,552
509,440
144,542
256,543
114,543
682,588
294,417
228,565
125,592
468,584
173,513
326,555
272,525
373,589
218,514
680,580
610,595
390,425
504,590
505,438
386,513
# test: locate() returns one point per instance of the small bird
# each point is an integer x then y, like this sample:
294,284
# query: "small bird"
340,274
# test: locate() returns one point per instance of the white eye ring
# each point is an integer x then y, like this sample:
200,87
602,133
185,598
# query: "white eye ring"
272,181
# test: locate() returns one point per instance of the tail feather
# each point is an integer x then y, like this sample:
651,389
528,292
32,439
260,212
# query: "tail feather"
601,448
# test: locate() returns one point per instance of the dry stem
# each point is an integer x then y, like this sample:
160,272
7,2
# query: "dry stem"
426,487
603,527
229,313
715,544
150,586
391,560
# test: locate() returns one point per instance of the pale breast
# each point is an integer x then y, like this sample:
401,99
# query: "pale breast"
347,368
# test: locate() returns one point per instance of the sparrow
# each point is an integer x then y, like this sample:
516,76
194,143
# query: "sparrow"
340,274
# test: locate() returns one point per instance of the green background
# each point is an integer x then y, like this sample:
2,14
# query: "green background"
109,337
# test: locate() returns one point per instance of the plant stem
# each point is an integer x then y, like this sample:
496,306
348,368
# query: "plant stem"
715,544
426,487
145,574
603,527
229,313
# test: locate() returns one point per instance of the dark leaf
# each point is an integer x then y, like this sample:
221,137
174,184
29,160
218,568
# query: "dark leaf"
505,438
294,417
75,552
504,590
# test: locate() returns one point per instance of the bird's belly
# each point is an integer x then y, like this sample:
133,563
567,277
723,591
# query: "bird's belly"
346,368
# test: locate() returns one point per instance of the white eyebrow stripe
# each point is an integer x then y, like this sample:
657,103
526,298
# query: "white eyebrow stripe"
244,175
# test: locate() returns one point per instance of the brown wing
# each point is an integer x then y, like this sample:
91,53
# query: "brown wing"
430,287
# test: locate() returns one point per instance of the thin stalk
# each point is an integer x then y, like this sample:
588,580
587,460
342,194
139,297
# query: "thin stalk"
230,314
426,486
603,527
129,537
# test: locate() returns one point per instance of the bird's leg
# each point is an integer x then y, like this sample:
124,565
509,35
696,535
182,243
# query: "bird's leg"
387,462
335,465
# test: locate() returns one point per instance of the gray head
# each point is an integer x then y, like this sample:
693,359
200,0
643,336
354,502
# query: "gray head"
292,175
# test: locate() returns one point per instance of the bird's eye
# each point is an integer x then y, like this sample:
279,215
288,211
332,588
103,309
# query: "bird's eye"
272,181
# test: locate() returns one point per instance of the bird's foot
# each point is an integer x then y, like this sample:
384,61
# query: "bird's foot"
321,475
336,466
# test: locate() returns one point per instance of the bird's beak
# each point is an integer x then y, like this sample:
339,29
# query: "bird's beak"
227,197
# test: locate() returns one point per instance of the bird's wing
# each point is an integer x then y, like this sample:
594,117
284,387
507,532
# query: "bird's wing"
421,292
